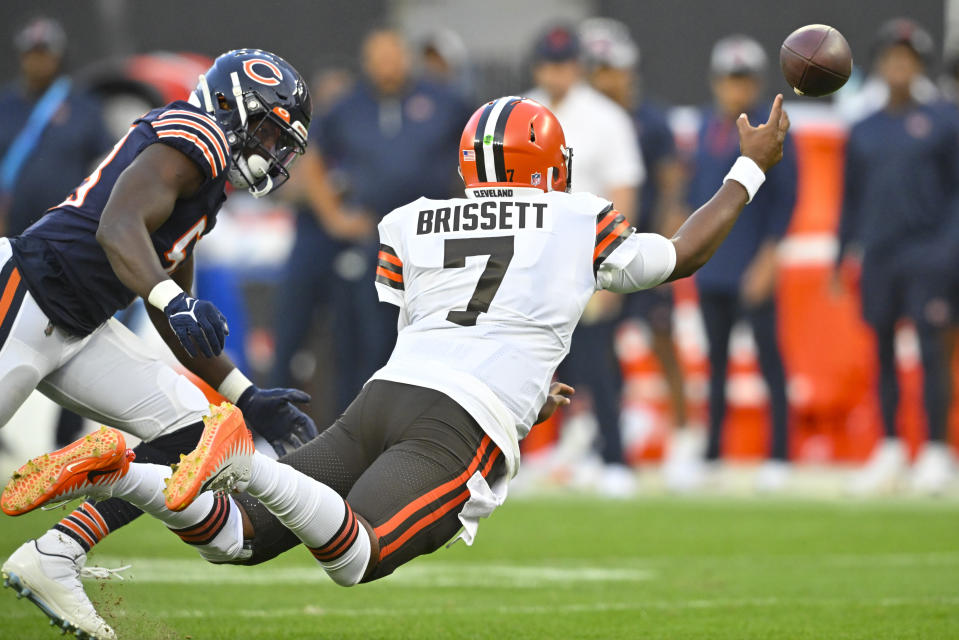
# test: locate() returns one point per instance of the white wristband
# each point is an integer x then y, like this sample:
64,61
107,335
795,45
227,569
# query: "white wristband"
233,385
161,294
747,173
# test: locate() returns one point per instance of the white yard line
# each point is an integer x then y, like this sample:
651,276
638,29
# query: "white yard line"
243,611
160,571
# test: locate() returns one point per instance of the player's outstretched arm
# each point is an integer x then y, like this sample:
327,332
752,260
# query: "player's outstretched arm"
272,413
700,236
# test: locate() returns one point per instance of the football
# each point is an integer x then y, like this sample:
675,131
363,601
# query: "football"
816,60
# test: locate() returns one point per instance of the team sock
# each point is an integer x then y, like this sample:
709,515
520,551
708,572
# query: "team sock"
319,517
212,523
86,525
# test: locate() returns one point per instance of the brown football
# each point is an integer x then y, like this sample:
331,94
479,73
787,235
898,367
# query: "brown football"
816,60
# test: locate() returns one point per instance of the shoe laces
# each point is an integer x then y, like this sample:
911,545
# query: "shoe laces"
103,573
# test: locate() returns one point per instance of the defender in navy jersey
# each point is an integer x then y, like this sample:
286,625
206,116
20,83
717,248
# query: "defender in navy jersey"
128,231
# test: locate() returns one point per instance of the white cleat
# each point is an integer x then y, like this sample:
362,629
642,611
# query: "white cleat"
47,572
616,481
883,472
684,469
933,471
772,477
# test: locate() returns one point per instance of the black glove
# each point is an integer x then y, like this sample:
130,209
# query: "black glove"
271,414
197,324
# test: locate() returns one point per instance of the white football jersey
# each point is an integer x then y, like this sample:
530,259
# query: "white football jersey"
490,288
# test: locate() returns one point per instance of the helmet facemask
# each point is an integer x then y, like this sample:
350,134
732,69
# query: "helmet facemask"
265,148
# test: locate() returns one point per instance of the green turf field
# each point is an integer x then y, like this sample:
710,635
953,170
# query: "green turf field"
564,568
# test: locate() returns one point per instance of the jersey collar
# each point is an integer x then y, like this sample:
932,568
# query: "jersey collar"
503,192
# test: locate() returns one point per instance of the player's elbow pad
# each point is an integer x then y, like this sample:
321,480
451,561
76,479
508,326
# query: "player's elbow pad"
652,263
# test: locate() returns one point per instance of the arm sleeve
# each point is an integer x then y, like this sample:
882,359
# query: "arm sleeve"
648,260
389,270
783,192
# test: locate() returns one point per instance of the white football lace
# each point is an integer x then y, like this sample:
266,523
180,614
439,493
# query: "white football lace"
103,573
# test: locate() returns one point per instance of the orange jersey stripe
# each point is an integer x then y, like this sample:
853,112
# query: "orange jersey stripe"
195,140
392,259
8,292
615,233
200,116
605,222
436,515
391,524
395,277
201,129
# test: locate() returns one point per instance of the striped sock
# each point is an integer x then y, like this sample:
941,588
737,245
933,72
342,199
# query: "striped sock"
203,532
85,525
319,517
341,541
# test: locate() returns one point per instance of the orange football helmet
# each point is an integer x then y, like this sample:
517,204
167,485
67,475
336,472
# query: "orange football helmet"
515,142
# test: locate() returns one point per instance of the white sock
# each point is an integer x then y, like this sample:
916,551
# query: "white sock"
142,487
318,516
211,523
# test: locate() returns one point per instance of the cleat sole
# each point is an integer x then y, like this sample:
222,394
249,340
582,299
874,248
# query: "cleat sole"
224,443
46,477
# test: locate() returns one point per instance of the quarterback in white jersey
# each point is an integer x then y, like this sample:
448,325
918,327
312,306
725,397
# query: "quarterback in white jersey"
489,288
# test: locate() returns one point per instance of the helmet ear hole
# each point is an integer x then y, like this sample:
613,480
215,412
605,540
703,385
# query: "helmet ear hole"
532,132
222,102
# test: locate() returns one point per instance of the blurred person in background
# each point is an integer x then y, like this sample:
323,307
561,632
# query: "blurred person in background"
612,59
322,231
900,221
51,135
608,163
390,139
445,60
740,280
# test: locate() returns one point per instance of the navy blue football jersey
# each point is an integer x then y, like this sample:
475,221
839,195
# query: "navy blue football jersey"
59,257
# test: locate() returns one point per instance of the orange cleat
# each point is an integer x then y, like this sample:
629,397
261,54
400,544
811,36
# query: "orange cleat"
221,460
88,467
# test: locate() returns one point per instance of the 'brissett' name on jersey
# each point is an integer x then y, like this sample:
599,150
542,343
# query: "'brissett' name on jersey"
485,215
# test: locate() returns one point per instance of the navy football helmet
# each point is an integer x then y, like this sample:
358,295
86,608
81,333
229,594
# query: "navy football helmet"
264,107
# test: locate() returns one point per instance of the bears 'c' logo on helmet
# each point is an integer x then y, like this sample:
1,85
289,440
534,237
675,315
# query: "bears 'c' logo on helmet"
249,67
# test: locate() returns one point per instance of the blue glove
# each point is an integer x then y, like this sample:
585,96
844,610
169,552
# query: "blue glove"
270,412
197,324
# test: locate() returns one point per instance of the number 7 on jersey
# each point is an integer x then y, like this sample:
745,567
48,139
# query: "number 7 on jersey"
500,252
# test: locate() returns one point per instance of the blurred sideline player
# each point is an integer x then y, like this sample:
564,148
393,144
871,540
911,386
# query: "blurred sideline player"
740,280
608,164
51,134
900,222
489,288
612,58
129,230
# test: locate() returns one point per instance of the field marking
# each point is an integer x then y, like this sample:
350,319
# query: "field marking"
567,608
433,574
532,609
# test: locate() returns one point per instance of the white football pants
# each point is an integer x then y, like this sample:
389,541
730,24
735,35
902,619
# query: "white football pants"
110,376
